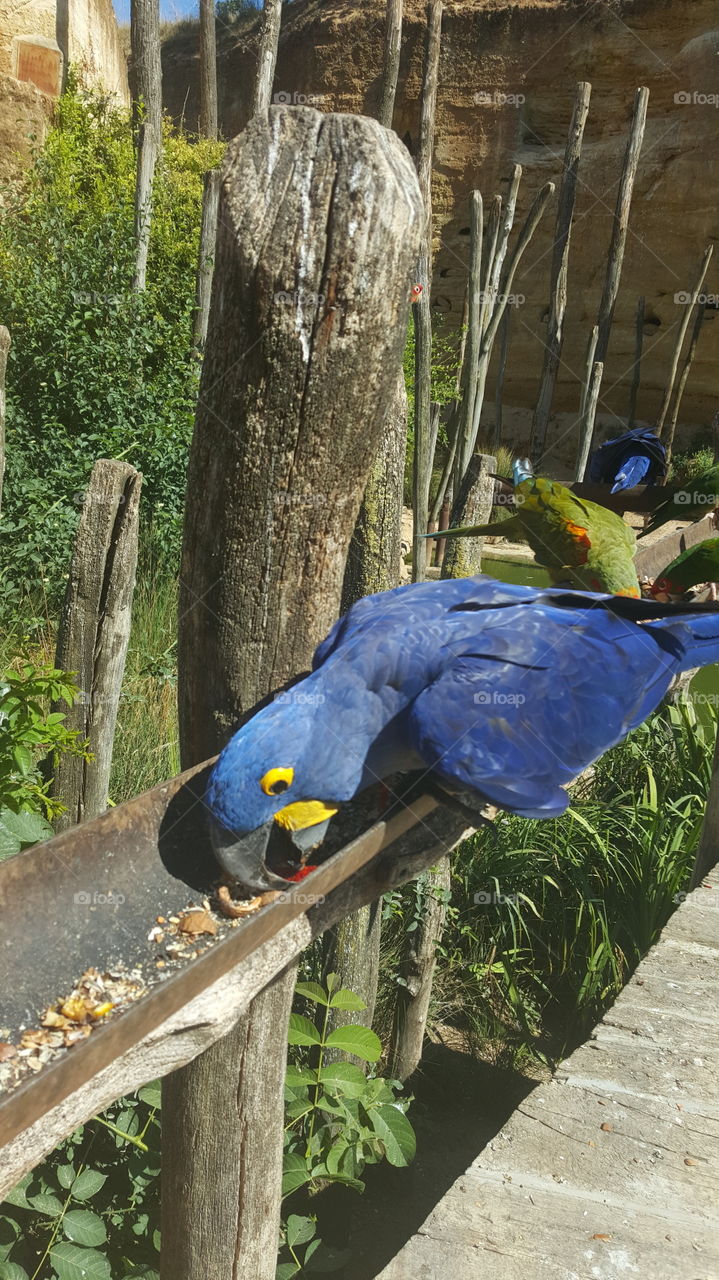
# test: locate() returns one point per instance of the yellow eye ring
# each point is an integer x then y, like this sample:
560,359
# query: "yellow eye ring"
276,781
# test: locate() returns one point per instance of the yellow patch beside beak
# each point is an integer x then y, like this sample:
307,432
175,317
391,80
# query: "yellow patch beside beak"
303,813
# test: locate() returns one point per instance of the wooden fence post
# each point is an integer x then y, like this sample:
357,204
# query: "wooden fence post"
311,293
208,70
146,79
267,57
95,630
390,63
4,349
206,260
560,269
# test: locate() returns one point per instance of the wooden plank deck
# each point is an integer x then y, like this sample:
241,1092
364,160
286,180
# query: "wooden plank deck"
611,1170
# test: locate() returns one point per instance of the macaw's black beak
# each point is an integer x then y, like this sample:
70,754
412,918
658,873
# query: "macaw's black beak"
267,857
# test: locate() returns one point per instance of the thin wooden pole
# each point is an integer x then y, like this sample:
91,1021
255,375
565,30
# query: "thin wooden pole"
689,303
269,42
586,427
588,367
494,223
94,633
4,350
499,386
254,600
620,224
390,63
688,361
422,460
500,250
560,268
495,319
208,70
206,261
637,366
146,79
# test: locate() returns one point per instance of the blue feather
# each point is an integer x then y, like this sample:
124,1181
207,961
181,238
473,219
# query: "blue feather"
504,691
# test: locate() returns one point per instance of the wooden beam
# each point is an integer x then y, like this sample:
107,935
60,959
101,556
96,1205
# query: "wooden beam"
52,896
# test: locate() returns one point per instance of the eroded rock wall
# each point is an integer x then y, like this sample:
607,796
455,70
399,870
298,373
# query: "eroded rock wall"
507,78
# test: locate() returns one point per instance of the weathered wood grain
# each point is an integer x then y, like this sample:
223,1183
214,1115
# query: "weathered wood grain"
145,72
4,351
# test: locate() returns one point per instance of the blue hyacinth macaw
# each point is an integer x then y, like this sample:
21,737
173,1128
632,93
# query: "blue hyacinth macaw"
500,694
636,457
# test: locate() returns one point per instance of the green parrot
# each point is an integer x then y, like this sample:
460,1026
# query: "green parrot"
689,502
697,565
579,543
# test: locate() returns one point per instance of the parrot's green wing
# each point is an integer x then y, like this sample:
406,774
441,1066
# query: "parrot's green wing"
698,564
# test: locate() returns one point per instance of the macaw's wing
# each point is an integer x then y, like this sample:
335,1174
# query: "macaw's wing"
518,728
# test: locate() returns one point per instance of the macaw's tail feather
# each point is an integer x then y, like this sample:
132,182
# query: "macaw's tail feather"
522,469
633,471
702,648
502,528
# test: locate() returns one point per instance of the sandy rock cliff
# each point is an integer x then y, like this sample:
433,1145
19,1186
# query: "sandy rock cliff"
507,78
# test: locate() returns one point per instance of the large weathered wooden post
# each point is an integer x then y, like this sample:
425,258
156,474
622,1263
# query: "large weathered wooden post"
319,228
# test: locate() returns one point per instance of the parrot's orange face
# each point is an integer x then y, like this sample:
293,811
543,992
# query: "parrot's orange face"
417,291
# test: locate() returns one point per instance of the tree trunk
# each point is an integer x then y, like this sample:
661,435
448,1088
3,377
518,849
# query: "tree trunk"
208,70
269,41
94,633
146,81
320,223
4,349
373,560
206,259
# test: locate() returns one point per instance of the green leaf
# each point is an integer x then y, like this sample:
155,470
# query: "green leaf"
312,991
295,1173
302,1031
12,1271
17,829
9,1232
151,1094
295,1077
18,1195
360,1041
285,1270
87,1184
65,1175
84,1227
397,1134
345,1077
332,981
299,1229
73,1263
346,999
46,1204
144,1273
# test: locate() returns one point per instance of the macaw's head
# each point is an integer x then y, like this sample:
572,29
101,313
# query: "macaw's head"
267,792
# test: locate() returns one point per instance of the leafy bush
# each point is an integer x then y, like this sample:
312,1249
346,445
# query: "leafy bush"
28,732
95,370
